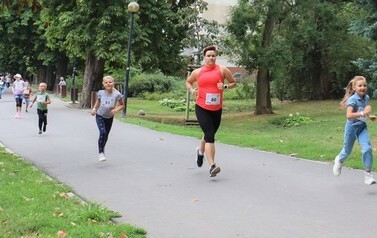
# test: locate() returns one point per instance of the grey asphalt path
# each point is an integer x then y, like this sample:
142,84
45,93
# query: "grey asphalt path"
151,178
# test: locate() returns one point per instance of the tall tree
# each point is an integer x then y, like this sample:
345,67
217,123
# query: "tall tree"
366,26
90,30
97,32
252,24
18,29
296,46
319,62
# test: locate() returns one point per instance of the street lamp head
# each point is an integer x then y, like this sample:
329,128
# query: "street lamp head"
133,7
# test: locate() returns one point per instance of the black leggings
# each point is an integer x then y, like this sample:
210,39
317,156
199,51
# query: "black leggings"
209,121
104,127
42,115
18,101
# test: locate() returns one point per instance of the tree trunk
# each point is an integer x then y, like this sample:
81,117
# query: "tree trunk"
320,77
263,96
40,75
45,75
94,69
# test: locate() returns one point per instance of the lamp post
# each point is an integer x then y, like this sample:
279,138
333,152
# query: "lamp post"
74,89
133,7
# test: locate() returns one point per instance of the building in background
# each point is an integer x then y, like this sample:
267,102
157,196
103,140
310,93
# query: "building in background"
218,10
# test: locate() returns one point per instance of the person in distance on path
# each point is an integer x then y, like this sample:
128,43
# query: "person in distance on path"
26,95
3,84
358,110
43,99
104,109
210,80
17,90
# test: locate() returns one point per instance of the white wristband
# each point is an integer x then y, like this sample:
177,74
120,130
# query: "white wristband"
362,114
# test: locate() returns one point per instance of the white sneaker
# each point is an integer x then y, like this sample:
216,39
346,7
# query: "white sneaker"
101,157
337,169
369,180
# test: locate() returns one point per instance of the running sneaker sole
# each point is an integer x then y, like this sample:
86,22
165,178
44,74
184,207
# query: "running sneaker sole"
215,171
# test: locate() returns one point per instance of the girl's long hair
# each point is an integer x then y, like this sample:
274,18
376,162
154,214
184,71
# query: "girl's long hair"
349,90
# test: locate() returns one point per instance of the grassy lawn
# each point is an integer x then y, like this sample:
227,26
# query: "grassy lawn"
321,139
34,205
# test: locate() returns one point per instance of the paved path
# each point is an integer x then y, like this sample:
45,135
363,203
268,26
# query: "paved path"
151,178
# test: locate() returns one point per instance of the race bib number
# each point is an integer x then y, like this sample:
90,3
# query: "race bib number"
107,102
212,99
41,98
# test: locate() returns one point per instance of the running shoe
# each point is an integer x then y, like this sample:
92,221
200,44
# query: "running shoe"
199,158
337,169
40,132
101,157
369,180
214,170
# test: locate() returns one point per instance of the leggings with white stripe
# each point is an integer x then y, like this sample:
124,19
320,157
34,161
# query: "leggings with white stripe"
104,127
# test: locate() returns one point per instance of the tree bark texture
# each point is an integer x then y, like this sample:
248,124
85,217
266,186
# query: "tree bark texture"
45,75
61,68
263,96
94,69
320,74
320,78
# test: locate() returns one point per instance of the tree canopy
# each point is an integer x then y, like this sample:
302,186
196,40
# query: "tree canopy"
301,49
310,51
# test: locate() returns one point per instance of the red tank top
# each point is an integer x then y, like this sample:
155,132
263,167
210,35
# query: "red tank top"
209,96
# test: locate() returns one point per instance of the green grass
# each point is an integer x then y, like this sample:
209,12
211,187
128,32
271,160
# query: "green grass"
34,205
321,139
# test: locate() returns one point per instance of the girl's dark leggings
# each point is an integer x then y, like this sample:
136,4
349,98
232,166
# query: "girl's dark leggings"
42,115
18,101
209,121
104,127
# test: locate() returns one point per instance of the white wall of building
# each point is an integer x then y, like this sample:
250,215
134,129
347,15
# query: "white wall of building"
218,10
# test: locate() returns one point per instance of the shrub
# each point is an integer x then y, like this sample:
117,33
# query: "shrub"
178,105
78,82
153,83
159,96
291,120
244,90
